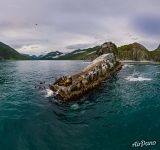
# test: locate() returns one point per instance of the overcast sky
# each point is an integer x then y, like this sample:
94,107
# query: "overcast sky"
41,26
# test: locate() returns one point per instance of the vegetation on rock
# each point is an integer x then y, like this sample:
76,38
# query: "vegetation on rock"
155,55
85,54
134,52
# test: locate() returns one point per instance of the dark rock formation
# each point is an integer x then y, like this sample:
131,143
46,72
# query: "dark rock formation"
158,47
107,47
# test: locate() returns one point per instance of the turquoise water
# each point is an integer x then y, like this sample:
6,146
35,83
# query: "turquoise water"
122,111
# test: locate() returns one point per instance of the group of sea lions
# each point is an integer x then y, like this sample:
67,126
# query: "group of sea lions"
64,81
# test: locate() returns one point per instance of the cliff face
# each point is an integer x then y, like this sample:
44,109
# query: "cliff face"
158,47
134,52
107,47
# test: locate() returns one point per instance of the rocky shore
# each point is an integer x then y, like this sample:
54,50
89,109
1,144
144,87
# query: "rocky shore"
69,88
140,62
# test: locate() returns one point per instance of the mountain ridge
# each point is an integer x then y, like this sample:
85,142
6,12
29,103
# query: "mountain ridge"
134,51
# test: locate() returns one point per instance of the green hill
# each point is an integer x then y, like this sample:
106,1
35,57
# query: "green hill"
85,54
8,53
133,51
155,55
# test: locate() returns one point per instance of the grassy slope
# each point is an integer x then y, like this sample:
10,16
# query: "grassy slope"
133,52
88,54
8,53
50,56
155,55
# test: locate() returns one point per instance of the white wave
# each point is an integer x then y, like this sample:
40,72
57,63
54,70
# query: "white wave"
132,78
126,65
49,93
75,106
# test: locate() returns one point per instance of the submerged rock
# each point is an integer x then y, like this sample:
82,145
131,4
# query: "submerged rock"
72,87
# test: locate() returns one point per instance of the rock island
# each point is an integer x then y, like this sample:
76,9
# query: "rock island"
72,87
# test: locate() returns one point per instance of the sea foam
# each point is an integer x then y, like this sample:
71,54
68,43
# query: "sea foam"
49,93
74,106
127,66
132,78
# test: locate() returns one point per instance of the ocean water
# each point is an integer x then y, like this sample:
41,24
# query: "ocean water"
125,109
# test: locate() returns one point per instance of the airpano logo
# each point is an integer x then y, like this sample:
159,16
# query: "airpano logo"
143,143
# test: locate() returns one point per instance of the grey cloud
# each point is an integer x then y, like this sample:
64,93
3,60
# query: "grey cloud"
148,24
78,46
70,24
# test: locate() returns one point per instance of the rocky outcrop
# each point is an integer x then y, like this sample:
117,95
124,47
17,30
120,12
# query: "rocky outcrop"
158,47
107,47
69,88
